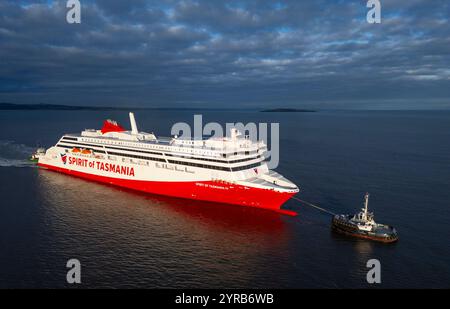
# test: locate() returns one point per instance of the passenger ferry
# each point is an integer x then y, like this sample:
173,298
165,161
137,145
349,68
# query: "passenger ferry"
228,170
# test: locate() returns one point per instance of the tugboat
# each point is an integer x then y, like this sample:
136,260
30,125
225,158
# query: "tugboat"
40,152
362,225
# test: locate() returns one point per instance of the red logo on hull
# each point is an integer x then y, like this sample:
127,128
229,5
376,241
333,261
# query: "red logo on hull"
64,158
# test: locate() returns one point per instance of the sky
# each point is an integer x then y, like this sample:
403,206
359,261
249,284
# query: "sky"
237,54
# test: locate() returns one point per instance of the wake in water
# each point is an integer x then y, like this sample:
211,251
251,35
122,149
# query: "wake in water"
15,155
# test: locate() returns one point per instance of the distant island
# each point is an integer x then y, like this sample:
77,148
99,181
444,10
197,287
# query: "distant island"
287,110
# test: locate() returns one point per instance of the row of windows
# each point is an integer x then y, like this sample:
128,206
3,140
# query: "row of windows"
224,155
213,160
117,148
222,168
140,151
243,152
158,153
121,154
124,143
245,167
214,167
246,159
137,157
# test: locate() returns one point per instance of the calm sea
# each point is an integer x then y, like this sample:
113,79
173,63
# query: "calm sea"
128,239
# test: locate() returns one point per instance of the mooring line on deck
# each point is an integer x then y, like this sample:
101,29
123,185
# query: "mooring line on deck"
315,206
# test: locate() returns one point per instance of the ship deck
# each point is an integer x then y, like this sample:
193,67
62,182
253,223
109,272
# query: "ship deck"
271,185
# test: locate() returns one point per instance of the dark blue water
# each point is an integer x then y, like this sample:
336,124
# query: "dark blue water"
129,239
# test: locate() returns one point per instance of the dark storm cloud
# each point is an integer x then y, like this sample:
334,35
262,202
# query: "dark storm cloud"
227,53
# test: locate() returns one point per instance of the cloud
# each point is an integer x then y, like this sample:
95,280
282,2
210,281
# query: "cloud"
225,53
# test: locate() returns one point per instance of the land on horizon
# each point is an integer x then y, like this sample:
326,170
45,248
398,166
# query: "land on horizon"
288,110
44,106
62,107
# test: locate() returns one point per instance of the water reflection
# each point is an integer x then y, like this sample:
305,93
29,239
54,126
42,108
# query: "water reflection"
362,250
158,241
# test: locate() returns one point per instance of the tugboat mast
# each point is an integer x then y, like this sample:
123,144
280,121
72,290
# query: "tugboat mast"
366,206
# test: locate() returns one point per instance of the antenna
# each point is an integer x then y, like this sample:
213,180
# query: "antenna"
134,129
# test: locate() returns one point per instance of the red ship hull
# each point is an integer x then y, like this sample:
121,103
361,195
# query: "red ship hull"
211,191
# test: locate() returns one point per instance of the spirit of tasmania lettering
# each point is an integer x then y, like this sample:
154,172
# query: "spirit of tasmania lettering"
109,167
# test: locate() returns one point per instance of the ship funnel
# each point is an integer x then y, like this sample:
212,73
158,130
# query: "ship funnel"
134,129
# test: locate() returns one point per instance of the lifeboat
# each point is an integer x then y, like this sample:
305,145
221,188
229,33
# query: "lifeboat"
76,150
86,151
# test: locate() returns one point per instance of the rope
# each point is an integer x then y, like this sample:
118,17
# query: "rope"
312,205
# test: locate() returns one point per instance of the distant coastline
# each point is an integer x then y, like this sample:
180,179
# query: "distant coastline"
59,107
288,110
12,106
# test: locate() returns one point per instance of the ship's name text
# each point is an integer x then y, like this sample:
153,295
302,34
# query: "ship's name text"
107,167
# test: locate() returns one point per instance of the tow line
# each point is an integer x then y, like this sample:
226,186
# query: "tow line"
315,206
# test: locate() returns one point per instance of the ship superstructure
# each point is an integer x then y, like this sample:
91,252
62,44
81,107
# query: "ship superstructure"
228,170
